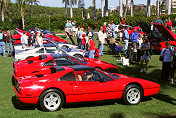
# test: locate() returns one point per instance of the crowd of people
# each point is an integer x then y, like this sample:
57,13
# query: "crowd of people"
34,39
140,45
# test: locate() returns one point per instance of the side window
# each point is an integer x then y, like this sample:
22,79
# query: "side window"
88,75
40,51
68,77
49,63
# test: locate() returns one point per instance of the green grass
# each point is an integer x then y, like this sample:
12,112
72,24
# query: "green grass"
160,105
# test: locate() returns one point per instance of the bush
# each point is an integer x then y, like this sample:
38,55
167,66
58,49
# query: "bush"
54,22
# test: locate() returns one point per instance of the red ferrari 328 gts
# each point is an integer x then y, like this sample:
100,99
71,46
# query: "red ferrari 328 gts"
40,63
80,84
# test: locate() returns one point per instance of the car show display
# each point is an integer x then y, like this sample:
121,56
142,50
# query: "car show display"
58,73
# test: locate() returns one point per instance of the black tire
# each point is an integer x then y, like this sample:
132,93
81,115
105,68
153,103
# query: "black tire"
127,94
29,57
78,55
44,104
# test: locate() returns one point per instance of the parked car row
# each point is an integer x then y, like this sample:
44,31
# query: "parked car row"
52,75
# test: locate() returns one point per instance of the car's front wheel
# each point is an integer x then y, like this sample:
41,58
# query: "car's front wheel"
51,100
132,94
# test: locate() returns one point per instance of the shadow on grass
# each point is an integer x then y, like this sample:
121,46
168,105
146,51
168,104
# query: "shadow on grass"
153,115
116,115
19,106
91,104
60,116
165,98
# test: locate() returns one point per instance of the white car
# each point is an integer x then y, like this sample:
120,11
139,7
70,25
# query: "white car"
49,49
60,44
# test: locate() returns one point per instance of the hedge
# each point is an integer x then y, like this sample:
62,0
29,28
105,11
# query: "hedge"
54,23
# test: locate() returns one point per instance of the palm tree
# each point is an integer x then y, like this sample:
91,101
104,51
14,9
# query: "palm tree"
72,2
148,8
31,2
132,7
121,7
4,5
126,8
102,9
106,8
81,5
66,3
22,3
94,3
2,10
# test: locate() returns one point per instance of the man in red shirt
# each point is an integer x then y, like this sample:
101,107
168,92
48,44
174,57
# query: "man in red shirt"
91,47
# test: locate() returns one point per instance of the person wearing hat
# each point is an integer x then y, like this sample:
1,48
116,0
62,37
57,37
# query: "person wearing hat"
31,39
91,47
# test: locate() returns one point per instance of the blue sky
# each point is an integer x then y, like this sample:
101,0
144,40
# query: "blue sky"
88,3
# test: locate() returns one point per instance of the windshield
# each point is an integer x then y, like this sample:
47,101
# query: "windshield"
112,75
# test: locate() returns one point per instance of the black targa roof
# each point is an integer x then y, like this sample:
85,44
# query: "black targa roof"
81,67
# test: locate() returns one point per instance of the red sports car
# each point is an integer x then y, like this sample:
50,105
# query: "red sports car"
80,84
158,36
18,33
40,63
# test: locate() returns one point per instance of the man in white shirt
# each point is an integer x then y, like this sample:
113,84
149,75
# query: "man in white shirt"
101,40
24,40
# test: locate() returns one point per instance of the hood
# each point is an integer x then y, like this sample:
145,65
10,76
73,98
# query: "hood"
145,27
165,31
145,83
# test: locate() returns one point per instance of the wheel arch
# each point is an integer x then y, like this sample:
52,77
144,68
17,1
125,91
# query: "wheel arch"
138,84
56,89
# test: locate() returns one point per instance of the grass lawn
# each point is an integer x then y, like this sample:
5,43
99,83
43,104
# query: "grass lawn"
157,106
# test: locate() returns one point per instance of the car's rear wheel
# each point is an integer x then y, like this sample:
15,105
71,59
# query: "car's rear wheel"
51,100
132,94
78,55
